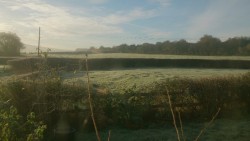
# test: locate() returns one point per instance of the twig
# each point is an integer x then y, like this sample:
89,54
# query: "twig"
182,133
204,129
109,135
171,108
90,102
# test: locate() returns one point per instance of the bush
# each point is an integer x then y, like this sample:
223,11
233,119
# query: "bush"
14,127
128,109
25,64
204,96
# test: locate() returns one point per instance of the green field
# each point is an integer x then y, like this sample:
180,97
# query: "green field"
157,56
137,79
119,80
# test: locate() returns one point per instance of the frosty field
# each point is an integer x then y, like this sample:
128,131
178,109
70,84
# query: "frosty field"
118,80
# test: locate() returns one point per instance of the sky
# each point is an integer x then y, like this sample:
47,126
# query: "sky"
71,24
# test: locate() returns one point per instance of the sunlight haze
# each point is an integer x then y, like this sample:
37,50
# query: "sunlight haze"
71,24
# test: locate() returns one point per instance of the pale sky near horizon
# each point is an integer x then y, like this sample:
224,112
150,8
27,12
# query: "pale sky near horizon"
70,24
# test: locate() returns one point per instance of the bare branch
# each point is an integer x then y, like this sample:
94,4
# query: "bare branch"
204,129
171,108
90,102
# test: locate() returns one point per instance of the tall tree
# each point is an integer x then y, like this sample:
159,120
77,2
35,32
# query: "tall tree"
208,45
10,44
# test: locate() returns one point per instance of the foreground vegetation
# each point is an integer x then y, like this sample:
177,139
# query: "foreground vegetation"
53,101
196,99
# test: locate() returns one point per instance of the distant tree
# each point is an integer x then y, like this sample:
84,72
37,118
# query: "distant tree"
247,49
167,47
105,49
231,46
208,45
147,48
10,44
122,48
93,50
244,50
181,47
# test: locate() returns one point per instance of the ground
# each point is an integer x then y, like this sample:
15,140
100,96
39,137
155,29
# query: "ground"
220,130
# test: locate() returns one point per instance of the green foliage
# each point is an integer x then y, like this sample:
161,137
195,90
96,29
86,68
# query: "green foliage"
10,120
45,95
14,127
127,109
37,128
10,44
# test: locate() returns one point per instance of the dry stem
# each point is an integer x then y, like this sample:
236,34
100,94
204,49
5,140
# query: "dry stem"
109,135
182,133
90,102
171,108
204,129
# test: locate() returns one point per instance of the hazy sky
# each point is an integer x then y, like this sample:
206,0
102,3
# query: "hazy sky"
70,24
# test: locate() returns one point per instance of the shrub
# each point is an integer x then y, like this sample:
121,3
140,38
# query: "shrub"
14,127
126,109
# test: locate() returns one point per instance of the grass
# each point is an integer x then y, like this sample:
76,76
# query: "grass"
124,61
119,80
157,56
221,129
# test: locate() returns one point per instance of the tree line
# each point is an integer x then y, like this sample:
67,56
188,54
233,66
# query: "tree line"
10,44
207,45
